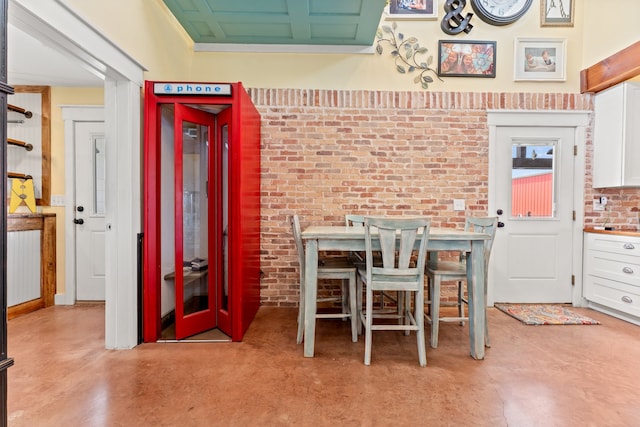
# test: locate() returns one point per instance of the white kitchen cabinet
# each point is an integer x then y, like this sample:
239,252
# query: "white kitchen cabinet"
616,140
611,282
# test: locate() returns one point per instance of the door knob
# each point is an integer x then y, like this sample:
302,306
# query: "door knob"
499,211
80,208
78,221
500,224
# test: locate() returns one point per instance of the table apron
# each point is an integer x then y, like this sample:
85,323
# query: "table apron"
358,245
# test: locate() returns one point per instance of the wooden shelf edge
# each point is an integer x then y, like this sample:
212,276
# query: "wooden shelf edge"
617,68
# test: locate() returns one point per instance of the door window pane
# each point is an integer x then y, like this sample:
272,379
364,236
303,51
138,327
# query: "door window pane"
99,176
532,179
224,304
195,216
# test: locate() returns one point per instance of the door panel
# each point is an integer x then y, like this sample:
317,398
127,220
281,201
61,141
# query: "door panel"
222,161
89,211
195,273
244,212
533,190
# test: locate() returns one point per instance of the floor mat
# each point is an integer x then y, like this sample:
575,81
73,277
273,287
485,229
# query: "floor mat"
545,314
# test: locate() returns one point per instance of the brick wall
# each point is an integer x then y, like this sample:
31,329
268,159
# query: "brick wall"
326,153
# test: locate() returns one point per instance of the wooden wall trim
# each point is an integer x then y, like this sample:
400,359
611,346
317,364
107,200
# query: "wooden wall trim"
615,69
46,223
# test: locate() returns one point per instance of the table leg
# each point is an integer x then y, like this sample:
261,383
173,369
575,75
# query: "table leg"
311,292
475,287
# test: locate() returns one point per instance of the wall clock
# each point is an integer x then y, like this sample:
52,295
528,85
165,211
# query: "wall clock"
500,12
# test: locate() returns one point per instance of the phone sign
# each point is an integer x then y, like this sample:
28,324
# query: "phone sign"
191,89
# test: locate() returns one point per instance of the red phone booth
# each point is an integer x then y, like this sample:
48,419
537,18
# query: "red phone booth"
201,250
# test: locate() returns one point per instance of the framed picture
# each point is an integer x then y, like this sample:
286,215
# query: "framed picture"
412,9
556,13
466,58
540,59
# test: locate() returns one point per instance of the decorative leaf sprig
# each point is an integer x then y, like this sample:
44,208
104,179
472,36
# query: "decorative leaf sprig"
406,53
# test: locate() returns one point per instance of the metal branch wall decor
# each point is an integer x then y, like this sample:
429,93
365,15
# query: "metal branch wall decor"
408,54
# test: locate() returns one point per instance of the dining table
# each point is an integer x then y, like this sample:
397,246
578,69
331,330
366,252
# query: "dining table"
318,238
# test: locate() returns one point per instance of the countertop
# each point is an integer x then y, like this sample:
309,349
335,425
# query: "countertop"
613,232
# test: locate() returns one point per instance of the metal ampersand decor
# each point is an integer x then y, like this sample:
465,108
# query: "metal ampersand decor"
453,22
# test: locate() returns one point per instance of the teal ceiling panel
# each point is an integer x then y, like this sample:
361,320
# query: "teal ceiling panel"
331,32
301,22
249,31
336,7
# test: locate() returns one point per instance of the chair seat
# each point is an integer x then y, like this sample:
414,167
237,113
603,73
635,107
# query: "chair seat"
447,268
335,263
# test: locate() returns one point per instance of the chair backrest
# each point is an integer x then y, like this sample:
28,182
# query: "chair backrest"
297,238
398,238
485,225
351,220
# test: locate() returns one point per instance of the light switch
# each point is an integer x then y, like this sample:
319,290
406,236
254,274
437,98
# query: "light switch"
57,200
458,204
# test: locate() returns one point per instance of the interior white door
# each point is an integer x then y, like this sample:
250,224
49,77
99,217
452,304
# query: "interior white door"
531,259
89,220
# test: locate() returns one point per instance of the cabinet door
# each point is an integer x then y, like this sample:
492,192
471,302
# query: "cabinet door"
607,139
616,142
631,153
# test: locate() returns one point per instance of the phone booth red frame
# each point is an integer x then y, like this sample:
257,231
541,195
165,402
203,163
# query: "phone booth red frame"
212,105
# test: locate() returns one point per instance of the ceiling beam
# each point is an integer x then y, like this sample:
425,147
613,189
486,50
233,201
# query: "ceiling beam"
615,69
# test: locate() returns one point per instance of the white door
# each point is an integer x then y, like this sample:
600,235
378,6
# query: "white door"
532,194
89,211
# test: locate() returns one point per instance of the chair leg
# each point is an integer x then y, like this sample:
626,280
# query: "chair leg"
359,303
460,303
368,320
487,342
435,309
300,334
406,310
419,316
353,310
345,297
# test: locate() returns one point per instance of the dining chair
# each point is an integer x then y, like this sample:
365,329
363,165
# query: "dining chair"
353,220
399,270
444,271
330,267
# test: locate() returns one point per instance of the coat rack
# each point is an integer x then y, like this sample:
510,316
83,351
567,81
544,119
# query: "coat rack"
29,126
27,114
22,191
15,142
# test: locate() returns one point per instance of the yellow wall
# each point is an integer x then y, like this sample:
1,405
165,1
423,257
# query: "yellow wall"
378,71
64,96
144,29
163,47
608,28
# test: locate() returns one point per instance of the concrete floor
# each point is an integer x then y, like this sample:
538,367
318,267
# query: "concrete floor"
531,376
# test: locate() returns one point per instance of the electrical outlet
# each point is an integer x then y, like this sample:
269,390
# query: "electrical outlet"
57,200
458,204
597,204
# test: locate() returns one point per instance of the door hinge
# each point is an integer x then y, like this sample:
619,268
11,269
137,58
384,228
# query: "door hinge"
573,280
573,215
575,150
